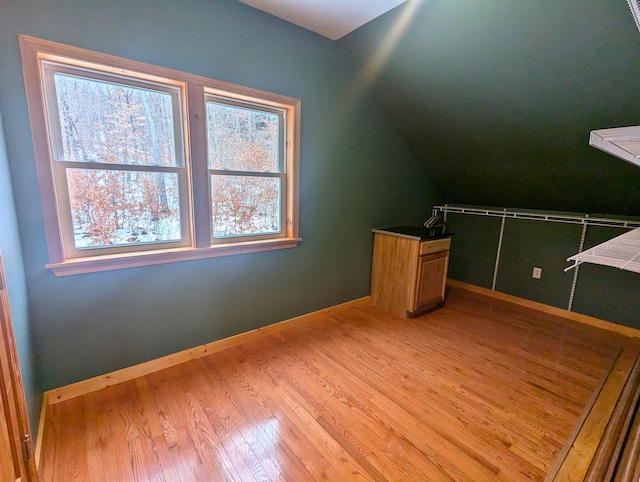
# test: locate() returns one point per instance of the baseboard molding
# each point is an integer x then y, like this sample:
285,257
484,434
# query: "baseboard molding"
44,413
92,384
552,310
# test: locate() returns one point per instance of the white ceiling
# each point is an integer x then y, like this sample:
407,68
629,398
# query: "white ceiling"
330,18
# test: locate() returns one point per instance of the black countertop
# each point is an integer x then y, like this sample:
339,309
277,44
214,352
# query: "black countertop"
415,232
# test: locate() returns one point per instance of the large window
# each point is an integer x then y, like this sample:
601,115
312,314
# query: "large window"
118,162
141,165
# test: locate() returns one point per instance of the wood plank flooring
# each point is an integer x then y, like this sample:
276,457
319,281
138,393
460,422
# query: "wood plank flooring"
478,390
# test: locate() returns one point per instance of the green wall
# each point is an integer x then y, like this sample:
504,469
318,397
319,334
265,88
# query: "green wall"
473,248
497,98
17,289
603,292
356,173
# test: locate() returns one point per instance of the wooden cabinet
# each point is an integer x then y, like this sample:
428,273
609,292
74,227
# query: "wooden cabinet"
409,275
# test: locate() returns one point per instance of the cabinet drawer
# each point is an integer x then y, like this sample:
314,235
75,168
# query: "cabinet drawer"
428,247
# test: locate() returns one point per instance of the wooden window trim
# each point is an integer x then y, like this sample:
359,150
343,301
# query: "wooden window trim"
34,50
160,256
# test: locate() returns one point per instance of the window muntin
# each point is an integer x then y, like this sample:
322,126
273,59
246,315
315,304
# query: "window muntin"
103,130
271,223
246,159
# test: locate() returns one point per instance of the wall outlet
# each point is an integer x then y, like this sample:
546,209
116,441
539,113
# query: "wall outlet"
537,273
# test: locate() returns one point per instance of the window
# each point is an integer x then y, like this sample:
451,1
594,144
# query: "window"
118,162
140,165
246,168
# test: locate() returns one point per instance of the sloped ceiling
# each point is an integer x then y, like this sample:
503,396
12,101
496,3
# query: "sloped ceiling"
497,97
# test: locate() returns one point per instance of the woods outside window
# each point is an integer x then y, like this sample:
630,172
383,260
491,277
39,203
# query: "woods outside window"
139,164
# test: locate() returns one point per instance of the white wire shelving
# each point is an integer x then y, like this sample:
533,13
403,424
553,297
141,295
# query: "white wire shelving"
620,252
541,216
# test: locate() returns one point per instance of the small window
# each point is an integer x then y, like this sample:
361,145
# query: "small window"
140,165
246,168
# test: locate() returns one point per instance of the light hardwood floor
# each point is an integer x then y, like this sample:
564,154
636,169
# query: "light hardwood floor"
478,390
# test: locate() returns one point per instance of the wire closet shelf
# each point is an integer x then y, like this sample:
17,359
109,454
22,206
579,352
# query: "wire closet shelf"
620,252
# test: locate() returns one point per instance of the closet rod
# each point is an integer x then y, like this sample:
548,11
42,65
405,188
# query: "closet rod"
539,216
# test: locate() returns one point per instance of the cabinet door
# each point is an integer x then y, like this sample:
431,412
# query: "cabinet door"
432,274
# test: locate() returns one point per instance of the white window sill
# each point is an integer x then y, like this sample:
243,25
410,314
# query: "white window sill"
145,258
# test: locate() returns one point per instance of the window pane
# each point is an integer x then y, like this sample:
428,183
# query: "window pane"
245,205
242,139
114,123
112,207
